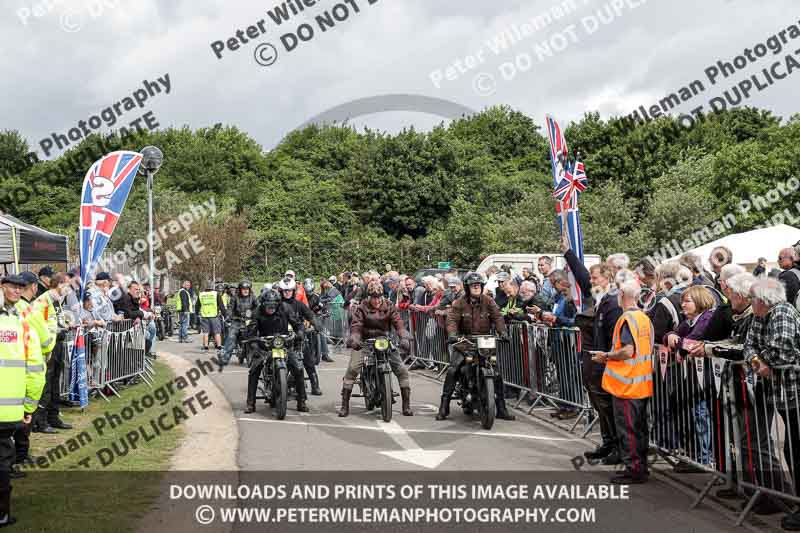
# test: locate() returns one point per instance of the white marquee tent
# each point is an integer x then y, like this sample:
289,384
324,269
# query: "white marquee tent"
747,247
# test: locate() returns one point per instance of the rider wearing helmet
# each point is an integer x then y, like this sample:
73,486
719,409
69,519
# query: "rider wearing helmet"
374,317
300,293
273,317
242,306
313,298
472,314
288,289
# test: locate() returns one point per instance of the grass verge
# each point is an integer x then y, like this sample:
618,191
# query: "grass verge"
64,494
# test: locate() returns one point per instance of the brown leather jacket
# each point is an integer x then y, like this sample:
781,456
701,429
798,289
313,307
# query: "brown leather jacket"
368,323
474,318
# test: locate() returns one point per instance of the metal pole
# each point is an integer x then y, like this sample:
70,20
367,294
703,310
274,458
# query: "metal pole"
150,228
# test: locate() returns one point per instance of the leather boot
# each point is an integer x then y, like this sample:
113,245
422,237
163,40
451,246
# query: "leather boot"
502,412
405,392
444,408
313,377
251,408
5,508
301,405
345,410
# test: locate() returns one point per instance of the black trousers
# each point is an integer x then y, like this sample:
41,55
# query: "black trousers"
630,417
6,461
456,364
22,441
601,401
257,363
48,411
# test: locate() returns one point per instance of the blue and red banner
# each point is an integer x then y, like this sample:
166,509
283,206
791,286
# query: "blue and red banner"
105,190
569,180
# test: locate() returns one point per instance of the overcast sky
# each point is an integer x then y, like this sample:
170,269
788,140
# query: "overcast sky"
81,56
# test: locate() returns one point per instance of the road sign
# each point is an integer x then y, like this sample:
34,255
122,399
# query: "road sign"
444,264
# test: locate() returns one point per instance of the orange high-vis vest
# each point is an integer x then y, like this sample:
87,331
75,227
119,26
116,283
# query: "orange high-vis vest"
632,378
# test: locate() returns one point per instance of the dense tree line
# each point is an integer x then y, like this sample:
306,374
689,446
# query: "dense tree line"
331,198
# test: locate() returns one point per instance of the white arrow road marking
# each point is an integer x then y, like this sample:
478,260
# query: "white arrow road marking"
411,453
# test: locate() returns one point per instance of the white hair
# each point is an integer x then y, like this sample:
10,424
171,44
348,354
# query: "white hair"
692,261
528,285
668,271
684,275
558,275
631,290
730,270
769,291
623,276
741,283
619,261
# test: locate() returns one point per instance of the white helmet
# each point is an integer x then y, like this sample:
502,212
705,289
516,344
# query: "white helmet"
287,284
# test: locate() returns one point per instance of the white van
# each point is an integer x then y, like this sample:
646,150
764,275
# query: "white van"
517,261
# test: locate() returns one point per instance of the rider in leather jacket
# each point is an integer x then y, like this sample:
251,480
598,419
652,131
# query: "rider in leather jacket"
288,288
242,306
473,314
374,317
273,317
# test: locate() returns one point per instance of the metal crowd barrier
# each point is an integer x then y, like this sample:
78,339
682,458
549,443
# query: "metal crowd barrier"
114,353
335,321
430,339
765,432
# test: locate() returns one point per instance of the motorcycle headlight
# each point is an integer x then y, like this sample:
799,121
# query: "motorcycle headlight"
382,344
493,359
486,343
278,342
468,359
248,313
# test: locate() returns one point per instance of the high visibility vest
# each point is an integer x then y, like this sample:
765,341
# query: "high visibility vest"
208,304
44,305
300,294
632,378
179,300
226,299
36,320
19,389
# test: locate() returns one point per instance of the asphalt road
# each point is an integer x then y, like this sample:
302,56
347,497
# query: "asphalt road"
321,443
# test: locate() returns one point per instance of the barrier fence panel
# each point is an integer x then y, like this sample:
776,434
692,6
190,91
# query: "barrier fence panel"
766,433
335,321
113,354
430,338
512,358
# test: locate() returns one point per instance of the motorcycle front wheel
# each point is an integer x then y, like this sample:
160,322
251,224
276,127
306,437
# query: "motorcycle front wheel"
386,404
280,393
487,403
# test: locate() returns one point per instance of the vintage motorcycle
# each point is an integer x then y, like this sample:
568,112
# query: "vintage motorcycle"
477,376
273,386
376,376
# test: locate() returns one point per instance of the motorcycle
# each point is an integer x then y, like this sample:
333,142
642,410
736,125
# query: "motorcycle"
477,376
163,320
376,376
244,324
159,322
273,384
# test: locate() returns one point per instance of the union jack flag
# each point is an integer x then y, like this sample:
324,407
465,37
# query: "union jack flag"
558,150
571,185
569,180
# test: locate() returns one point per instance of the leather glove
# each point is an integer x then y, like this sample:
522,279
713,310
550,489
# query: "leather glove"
354,343
405,345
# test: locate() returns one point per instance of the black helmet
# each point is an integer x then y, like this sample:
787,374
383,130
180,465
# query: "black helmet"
472,278
245,284
270,300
